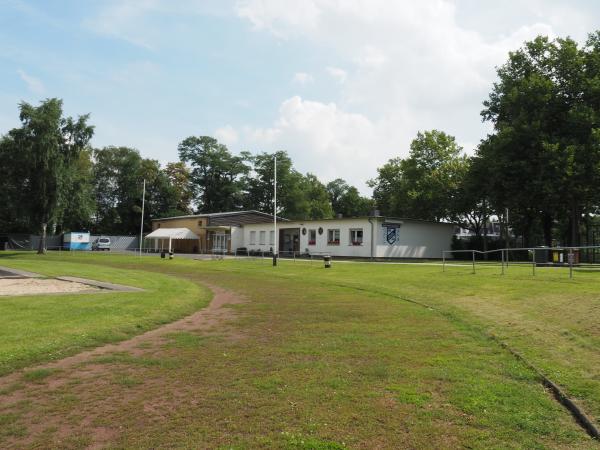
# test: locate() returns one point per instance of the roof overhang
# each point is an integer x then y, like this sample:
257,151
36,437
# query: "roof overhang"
172,233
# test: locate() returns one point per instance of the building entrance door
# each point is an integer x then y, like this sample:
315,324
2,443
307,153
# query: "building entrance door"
289,240
220,243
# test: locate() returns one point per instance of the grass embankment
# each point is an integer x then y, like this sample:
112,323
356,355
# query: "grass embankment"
35,329
325,358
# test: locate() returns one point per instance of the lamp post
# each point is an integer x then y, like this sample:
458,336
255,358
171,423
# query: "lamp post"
142,221
275,211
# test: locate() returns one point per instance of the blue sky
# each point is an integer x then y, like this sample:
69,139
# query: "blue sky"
341,85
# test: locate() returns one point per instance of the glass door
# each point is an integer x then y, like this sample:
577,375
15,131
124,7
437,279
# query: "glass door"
220,243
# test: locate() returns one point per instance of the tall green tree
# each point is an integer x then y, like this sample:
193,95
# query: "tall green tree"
216,174
346,200
50,145
79,200
119,173
298,196
178,175
545,149
426,184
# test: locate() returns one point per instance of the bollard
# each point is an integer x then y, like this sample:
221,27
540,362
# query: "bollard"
327,261
171,254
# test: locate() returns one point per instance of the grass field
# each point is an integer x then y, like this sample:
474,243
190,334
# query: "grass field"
315,358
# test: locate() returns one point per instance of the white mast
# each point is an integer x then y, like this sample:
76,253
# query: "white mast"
275,252
142,221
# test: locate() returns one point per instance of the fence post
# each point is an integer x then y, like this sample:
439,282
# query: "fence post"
473,253
533,265
502,260
443,260
571,258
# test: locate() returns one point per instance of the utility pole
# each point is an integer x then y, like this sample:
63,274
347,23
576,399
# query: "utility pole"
142,221
275,252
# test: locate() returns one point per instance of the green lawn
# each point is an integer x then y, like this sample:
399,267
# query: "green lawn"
322,358
41,328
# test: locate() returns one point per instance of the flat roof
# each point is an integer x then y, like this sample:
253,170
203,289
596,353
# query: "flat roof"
221,214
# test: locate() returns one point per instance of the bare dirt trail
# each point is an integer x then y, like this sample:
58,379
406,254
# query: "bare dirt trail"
14,391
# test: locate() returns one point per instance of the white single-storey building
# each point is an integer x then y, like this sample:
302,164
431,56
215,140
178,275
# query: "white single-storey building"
354,237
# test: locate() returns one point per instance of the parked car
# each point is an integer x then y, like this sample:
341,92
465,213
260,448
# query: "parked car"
102,243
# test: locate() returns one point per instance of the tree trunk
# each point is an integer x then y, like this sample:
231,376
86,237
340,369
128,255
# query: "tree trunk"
574,226
485,229
547,224
42,247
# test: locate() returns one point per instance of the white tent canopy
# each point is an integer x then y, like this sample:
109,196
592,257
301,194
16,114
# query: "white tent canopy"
172,233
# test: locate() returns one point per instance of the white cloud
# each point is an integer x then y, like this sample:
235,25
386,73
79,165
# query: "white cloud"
328,141
337,74
302,78
33,84
409,66
226,135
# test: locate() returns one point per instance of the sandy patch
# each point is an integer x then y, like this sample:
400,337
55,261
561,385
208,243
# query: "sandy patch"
32,286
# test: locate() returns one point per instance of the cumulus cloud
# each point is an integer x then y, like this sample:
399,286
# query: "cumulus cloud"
409,66
226,135
302,78
337,74
328,141
33,84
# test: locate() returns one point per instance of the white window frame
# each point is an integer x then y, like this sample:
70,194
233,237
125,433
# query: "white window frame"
271,237
262,237
253,238
354,240
335,233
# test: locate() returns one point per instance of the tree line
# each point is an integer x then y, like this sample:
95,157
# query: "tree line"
537,172
52,179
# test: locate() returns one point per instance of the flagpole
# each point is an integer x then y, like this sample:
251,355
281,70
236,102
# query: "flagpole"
142,221
275,252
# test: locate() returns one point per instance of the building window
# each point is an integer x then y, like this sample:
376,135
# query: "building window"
271,238
252,237
333,237
262,238
356,236
312,237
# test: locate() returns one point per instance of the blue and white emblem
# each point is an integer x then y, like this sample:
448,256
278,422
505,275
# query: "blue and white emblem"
391,235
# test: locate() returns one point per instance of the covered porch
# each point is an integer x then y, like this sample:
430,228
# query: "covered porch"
179,240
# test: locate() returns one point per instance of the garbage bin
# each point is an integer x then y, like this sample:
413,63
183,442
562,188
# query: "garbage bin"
162,254
327,261
541,255
171,254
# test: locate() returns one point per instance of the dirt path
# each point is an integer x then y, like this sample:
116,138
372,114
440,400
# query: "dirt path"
16,390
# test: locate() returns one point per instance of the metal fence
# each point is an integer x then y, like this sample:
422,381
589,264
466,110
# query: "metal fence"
581,257
55,242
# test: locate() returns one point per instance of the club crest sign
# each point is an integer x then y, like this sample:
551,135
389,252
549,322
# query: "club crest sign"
390,235
391,232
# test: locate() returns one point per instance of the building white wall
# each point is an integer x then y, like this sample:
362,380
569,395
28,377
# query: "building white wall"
414,239
321,245
237,238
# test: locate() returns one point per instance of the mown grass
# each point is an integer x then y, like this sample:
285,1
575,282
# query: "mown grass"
339,358
35,329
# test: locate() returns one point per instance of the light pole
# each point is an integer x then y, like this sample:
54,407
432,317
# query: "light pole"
275,211
142,221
